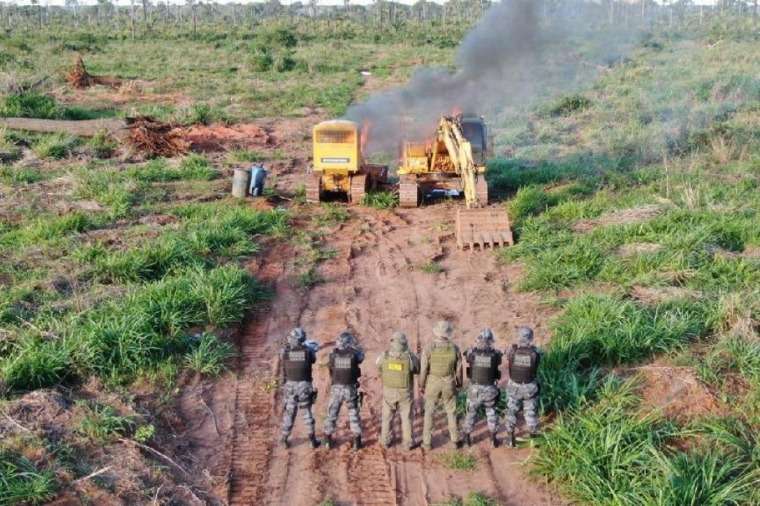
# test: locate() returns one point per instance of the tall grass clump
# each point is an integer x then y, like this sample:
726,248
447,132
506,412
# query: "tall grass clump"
209,355
55,146
598,331
21,482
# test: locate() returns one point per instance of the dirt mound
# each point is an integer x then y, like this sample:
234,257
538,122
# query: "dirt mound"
620,217
676,391
219,137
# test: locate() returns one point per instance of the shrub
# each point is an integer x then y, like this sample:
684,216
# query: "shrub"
21,482
209,355
380,199
103,145
567,105
145,433
57,146
102,423
29,105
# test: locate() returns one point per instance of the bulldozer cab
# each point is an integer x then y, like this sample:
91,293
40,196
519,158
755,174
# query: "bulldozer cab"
337,147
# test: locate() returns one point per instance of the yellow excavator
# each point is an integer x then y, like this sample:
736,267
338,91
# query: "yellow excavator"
339,166
455,161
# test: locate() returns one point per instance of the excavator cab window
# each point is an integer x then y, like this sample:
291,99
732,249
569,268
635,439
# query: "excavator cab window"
474,131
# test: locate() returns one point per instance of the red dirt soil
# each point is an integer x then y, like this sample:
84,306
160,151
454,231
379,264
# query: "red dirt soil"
218,137
374,286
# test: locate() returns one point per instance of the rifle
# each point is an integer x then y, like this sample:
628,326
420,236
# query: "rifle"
420,401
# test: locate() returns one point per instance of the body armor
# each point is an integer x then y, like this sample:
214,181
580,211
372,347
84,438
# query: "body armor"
344,367
523,364
443,361
297,364
484,367
396,372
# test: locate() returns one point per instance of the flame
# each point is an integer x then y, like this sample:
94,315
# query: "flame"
364,134
456,111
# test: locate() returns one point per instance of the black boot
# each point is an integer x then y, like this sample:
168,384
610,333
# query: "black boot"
467,440
314,441
357,442
284,442
511,439
329,442
494,440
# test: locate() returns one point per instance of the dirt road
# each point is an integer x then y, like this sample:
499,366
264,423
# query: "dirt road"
373,285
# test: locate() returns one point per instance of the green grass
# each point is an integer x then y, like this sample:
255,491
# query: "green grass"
459,461
55,146
471,499
381,200
102,423
432,267
21,482
209,355
192,167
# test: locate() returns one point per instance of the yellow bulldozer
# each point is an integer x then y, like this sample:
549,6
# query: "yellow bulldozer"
339,166
455,161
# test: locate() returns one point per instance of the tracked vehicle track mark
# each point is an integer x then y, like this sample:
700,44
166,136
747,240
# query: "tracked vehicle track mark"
252,438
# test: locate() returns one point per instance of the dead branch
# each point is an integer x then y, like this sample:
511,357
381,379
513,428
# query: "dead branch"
157,453
91,475
14,422
79,78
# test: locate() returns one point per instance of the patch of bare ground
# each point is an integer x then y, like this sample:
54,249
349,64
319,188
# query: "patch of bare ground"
660,294
676,391
44,427
372,286
639,248
620,217
218,137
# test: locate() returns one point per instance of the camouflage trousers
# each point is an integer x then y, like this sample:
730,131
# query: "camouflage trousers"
477,396
527,396
338,395
297,394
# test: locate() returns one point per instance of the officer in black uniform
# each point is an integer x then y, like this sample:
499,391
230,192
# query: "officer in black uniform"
344,374
483,362
297,360
523,359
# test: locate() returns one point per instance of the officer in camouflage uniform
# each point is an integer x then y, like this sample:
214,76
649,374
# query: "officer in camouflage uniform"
483,363
440,377
344,374
523,359
397,368
297,360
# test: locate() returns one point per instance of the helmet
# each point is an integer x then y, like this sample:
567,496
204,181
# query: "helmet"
399,343
525,335
485,338
296,336
443,329
344,340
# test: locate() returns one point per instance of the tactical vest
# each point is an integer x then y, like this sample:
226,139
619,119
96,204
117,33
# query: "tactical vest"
523,364
297,364
397,372
443,361
344,367
484,367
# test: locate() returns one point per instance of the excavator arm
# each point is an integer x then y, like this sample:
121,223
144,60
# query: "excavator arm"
460,153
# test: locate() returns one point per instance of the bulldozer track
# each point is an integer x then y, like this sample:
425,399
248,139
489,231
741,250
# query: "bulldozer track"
313,188
408,192
252,431
358,188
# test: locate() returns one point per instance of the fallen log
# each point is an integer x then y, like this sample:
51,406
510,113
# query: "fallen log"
82,128
146,135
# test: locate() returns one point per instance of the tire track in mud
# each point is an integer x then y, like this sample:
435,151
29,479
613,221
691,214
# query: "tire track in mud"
254,407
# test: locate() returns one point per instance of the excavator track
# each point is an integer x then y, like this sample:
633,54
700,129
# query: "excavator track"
408,192
313,188
358,188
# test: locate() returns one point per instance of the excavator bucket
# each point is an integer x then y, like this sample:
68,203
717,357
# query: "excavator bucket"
483,227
